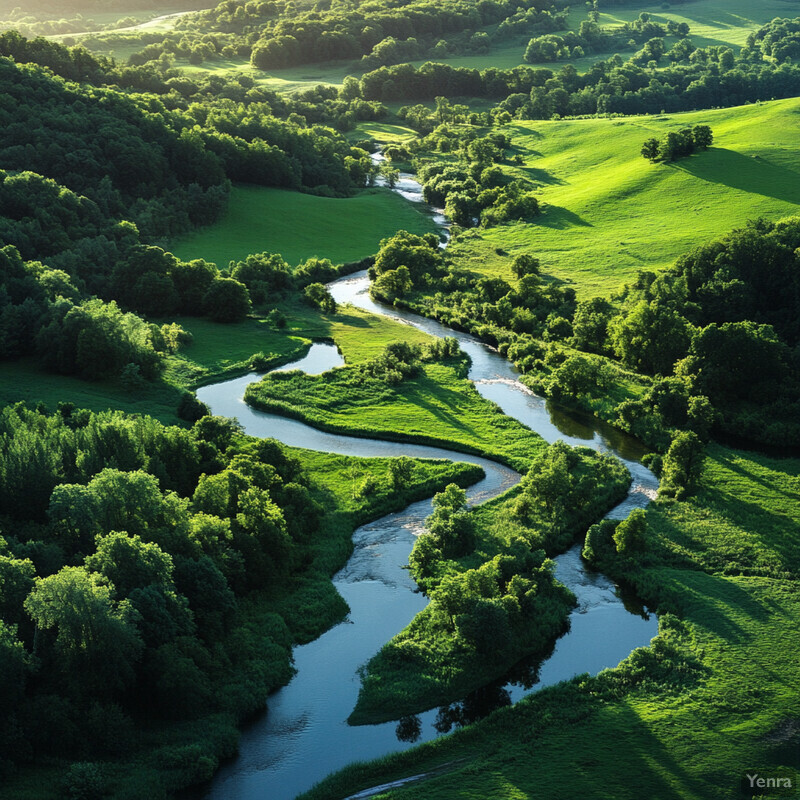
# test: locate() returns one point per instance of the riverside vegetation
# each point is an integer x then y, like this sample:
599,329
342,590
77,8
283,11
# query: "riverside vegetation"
162,227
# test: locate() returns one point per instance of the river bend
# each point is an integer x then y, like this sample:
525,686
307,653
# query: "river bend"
304,736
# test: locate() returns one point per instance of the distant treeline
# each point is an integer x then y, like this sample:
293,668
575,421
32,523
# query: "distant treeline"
177,90
275,33
280,36
695,78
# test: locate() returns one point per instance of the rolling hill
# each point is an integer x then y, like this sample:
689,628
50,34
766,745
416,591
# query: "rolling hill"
609,213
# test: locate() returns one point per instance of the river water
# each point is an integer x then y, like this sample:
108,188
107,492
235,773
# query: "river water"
304,736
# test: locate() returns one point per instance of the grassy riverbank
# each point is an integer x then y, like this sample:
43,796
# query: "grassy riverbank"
714,696
438,408
217,351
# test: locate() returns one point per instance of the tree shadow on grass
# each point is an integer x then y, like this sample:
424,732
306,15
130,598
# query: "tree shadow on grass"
351,320
719,605
445,408
542,176
730,460
776,532
754,175
561,218
588,750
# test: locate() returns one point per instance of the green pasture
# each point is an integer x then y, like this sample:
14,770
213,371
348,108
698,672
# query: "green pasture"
437,408
711,22
298,226
286,79
747,517
609,213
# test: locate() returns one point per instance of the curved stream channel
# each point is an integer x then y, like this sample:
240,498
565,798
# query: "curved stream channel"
304,736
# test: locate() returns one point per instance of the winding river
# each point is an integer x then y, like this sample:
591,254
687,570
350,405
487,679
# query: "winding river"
304,735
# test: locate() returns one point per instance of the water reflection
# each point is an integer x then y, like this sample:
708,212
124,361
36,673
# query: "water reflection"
473,707
321,357
409,729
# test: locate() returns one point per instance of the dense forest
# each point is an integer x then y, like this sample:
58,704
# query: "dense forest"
152,533
93,177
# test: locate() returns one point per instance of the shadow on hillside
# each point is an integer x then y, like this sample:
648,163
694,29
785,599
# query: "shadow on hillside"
351,320
722,606
560,217
542,176
751,174
638,748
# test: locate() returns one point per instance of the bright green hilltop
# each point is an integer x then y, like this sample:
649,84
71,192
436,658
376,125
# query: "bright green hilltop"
609,213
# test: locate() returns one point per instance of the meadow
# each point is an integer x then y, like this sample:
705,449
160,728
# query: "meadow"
298,226
711,22
714,696
437,407
608,213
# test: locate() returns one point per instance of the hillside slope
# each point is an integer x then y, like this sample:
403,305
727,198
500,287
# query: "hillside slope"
609,212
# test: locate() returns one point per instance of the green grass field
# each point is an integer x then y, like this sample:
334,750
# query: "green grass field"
24,381
436,408
298,226
287,79
382,132
711,22
359,335
715,696
217,351
609,213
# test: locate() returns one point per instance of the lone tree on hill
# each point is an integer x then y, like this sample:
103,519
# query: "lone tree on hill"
677,144
650,149
703,137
